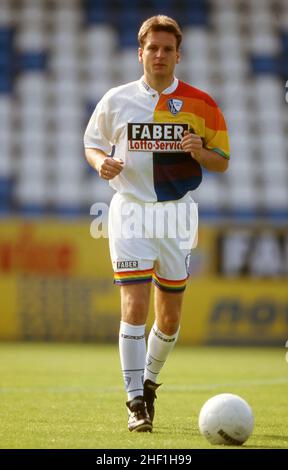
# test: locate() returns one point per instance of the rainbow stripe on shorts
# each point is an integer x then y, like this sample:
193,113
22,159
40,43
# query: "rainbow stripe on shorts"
136,277
168,285
133,277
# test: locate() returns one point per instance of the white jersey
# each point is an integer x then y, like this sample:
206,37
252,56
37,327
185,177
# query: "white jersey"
146,129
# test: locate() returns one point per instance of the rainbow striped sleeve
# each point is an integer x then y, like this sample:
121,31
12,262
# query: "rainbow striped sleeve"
201,112
216,135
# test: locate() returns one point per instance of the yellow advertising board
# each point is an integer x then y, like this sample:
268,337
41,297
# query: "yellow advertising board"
235,311
56,283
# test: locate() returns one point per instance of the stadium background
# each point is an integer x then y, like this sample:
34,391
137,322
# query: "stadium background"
57,58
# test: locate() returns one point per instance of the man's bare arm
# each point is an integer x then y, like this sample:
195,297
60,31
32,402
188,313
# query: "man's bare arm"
212,161
107,167
209,159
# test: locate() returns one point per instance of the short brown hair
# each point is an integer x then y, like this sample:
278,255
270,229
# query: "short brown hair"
160,23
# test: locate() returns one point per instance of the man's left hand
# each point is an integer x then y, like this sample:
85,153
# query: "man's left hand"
192,143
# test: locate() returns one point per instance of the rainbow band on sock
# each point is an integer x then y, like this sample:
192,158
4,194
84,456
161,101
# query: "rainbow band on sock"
133,277
168,285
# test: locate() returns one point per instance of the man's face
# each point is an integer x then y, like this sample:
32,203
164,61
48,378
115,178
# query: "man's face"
159,54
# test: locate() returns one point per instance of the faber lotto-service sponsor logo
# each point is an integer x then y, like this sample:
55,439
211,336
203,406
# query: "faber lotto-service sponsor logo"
155,137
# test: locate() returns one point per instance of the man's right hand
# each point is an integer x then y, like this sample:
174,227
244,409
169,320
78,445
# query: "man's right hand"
109,167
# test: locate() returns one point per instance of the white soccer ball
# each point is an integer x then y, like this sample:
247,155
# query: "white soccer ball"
226,419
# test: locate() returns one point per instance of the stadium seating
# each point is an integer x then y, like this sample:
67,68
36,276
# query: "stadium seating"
58,57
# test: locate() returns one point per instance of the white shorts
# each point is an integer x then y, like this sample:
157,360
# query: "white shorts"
152,241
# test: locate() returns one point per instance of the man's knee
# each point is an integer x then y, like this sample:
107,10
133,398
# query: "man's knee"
132,303
168,311
168,324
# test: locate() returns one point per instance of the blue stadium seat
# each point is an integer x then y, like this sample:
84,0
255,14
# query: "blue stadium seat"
129,18
211,215
32,60
6,191
285,41
128,37
32,210
6,59
127,4
98,13
6,83
160,4
6,37
70,211
198,16
241,214
265,64
283,65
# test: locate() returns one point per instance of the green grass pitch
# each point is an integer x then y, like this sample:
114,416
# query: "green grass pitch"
70,396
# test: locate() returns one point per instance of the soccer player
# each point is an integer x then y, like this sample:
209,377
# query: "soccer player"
163,131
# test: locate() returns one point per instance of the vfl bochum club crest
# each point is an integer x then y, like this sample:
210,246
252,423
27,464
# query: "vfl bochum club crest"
174,106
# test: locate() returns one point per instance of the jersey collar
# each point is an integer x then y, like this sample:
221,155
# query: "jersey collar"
146,88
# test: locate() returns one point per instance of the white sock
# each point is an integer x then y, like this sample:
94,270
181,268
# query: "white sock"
132,348
159,346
